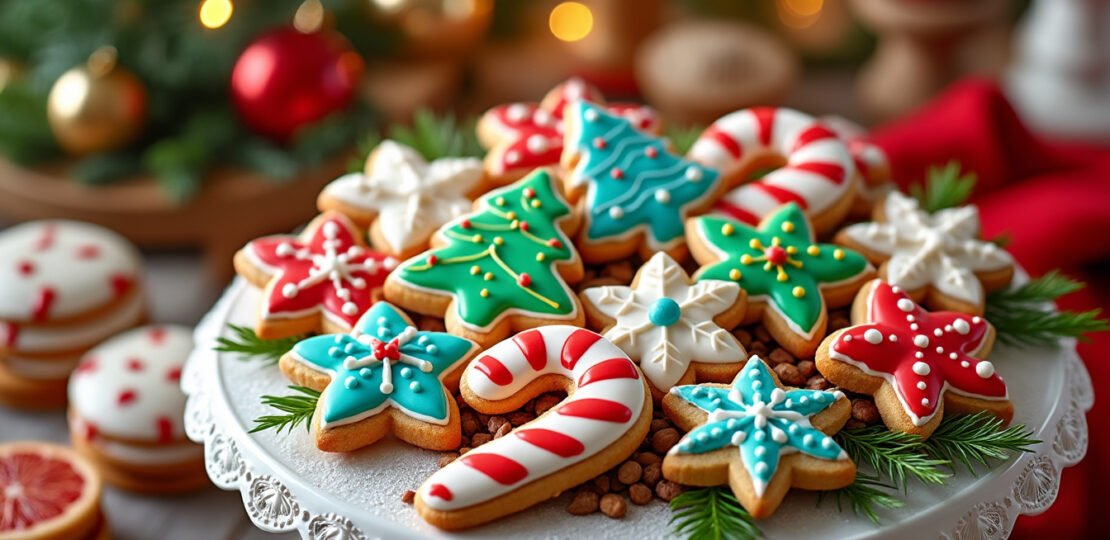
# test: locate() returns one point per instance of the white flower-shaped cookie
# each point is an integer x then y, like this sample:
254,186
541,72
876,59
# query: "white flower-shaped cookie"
665,323
942,250
410,197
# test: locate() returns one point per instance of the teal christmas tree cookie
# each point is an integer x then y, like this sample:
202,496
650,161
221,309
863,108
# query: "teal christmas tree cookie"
385,375
503,268
637,193
790,278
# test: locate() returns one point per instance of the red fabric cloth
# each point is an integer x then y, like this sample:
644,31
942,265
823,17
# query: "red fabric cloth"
1053,200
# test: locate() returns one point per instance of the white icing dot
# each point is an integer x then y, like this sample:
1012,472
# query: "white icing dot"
873,336
893,338
285,249
289,290
757,385
826,443
537,144
910,318
847,338
759,451
921,368
693,174
331,229
616,212
938,332
961,326
793,429
761,468
715,432
948,328
808,440
702,437
512,157
921,340
778,435
965,363
924,402
976,320
919,354
431,349
738,438
984,369
590,115
516,112
349,308
382,321
940,350
663,196
913,326
921,385
953,356
759,436
905,304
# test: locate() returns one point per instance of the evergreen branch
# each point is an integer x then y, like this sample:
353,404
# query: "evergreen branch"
1021,319
864,496
682,138
249,346
896,455
711,513
977,438
944,187
438,136
298,410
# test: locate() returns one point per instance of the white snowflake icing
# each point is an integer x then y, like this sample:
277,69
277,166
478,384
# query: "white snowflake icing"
941,250
664,352
413,198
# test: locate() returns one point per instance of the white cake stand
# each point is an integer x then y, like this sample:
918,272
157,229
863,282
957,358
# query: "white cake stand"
288,485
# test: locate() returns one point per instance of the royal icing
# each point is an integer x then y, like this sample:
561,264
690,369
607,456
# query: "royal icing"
665,323
940,250
530,135
606,401
412,197
921,355
324,270
634,183
502,258
818,168
72,337
779,263
58,269
383,362
130,386
760,419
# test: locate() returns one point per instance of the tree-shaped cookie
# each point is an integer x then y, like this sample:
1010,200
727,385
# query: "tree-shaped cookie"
918,365
501,269
790,279
937,258
637,194
676,330
758,437
383,376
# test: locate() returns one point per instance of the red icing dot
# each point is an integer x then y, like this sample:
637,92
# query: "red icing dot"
524,225
127,397
524,279
41,307
432,259
157,335
26,268
555,243
529,192
651,152
776,255
88,365
89,251
616,173
120,284
465,223
600,143
134,364
174,374
441,491
165,429
90,431
10,333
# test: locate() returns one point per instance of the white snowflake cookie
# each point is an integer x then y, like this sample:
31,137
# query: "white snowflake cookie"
676,330
403,196
937,258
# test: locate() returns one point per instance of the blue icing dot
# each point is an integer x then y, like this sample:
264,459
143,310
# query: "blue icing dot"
664,312
432,349
415,387
366,373
406,372
335,352
350,382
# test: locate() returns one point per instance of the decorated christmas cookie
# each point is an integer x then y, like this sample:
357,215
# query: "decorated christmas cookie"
410,197
871,162
758,437
814,167
790,279
918,365
384,376
323,279
524,136
602,421
678,331
501,269
126,408
936,258
637,193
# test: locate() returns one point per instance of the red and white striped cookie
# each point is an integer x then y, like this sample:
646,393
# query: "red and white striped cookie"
871,164
816,169
604,418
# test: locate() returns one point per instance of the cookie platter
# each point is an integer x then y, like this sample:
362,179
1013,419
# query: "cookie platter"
289,485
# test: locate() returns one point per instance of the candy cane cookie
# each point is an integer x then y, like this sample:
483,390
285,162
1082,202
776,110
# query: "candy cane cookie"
604,418
814,167
871,162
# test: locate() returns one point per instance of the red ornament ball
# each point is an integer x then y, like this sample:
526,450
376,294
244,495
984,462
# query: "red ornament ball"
288,79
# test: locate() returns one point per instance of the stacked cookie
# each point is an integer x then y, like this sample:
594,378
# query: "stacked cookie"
126,408
64,287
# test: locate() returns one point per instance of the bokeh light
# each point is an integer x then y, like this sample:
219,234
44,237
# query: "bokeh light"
215,13
571,21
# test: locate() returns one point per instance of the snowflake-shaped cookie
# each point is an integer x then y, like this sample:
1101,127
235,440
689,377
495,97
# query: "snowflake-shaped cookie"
666,323
940,251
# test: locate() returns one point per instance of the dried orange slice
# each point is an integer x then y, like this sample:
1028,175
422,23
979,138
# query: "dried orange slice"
47,492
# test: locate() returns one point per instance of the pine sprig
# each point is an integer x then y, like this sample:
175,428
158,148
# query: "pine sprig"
898,456
249,346
298,410
944,187
1021,318
975,439
437,136
712,514
865,496
683,137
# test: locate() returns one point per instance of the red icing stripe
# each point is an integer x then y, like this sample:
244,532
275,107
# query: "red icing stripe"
765,117
441,491
726,141
614,368
494,370
165,429
736,212
41,307
597,409
781,195
552,441
831,171
814,133
576,345
532,345
503,470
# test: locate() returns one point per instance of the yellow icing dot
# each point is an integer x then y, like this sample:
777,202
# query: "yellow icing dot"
488,276
813,250
727,229
511,214
500,201
475,270
484,293
783,277
745,259
478,239
787,226
514,224
536,203
776,241
838,254
540,257
734,274
755,244
498,240
798,292
791,250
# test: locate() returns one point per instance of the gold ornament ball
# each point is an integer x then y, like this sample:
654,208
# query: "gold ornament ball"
97,107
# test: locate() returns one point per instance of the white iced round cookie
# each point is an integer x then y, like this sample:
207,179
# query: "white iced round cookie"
412,197
129,386
57,269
